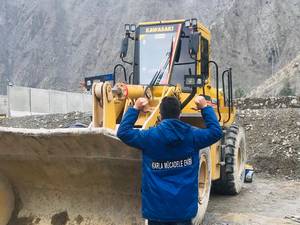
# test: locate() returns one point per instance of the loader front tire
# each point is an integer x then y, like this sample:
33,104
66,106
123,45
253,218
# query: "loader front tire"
204,184
234,152
7,201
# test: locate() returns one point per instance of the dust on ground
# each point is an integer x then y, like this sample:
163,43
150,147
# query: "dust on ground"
267,201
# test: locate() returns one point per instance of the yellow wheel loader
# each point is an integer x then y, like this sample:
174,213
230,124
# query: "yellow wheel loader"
87,176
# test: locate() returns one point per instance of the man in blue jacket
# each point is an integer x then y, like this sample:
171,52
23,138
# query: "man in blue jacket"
170,153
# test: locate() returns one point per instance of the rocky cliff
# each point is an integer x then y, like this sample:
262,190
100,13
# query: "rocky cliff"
286,78
257,38
54,43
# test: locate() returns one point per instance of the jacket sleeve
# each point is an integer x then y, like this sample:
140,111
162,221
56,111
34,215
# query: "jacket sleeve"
213,131
133,137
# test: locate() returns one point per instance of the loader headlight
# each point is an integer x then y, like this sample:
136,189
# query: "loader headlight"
132,28
127,28
192,81
88,83
187,23
189,81
194,22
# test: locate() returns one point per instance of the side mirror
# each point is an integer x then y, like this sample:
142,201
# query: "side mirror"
194,44
124,47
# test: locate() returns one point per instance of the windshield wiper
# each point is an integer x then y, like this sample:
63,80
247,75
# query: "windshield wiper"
162,68
160,72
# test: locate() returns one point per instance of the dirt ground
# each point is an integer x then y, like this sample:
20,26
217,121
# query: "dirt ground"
266,201
273,148
273,140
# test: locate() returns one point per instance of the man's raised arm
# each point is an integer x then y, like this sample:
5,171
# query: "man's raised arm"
126,132
213,131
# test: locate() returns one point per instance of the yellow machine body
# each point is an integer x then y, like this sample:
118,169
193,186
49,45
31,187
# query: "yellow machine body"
112,106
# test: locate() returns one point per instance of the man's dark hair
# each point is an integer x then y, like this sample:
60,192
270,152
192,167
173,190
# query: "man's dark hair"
170,108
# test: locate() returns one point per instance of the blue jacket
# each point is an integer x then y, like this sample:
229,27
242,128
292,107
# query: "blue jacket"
170,153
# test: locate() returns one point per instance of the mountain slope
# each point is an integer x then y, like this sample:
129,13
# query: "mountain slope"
256,37
54,43
290,74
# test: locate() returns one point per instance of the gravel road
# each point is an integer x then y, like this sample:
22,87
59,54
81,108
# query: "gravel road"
266,201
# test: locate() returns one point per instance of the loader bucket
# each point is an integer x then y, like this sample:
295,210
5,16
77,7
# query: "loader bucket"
68,176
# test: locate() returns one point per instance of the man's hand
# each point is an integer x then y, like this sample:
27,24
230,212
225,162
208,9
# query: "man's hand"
141,104
200,102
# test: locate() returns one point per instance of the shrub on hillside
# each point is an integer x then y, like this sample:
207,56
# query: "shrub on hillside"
287,90
239,93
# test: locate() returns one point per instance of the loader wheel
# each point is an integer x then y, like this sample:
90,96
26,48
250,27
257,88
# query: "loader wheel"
7,201
233,173
204,179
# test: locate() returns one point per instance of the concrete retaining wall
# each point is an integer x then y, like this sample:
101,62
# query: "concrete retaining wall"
39,100
30,101
56,98
3,105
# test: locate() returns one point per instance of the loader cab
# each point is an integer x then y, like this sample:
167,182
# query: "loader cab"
167,48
